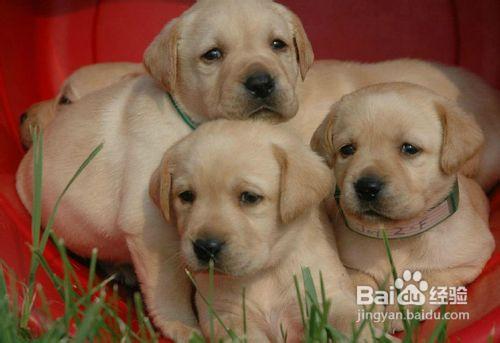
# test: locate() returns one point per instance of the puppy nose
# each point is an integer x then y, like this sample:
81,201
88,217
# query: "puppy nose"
368,187
206,249
260,85
23,117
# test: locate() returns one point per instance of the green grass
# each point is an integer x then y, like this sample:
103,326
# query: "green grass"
91,312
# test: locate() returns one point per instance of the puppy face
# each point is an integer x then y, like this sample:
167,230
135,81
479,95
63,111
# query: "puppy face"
395,149
232,59
234,190
84,81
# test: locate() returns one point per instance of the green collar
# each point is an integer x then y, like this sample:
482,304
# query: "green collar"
427,221
190,122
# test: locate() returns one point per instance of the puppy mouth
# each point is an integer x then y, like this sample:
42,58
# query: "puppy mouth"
217,271
267,113
263,110
374,215
370,213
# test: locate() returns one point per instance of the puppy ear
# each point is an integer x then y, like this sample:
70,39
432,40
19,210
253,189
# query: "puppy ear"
159,189
302,45
303,48
321,141
68,91
462,137
160,58
304,182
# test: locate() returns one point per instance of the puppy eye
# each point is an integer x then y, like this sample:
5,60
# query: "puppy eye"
250,198
64,100
212,54
278,44
347,150
187,197
409,149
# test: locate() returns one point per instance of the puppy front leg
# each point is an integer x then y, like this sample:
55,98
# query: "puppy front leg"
164,285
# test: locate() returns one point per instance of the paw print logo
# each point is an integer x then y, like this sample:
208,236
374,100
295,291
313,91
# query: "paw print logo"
411,294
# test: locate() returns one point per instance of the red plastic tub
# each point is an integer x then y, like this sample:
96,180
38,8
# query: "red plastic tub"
42,42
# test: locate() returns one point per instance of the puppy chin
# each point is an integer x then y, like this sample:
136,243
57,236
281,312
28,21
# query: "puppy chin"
268,114
382,213
242,269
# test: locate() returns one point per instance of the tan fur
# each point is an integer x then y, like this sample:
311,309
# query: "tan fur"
302,45
109,207
328,81
462,137
137,123
301,185
80,83
261,252
160,58
213,89
159,189
378,120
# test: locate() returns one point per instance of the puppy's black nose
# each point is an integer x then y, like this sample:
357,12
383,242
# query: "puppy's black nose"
23,117
260,85
368,187
206,249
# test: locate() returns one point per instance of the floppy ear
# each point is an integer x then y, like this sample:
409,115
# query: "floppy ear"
304,181
159,189
321,141
160,58
302,45
303,48
462,137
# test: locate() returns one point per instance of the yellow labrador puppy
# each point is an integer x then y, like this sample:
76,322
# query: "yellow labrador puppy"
264,87
396,150
247,195
108,206
328,81
83,81
220,59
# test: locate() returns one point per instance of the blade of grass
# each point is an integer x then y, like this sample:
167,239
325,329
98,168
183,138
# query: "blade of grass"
394,273
228,331
89,319
439,332
8,323
211,299
36,219
284,333
299,300
92,269
244,305
309,286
